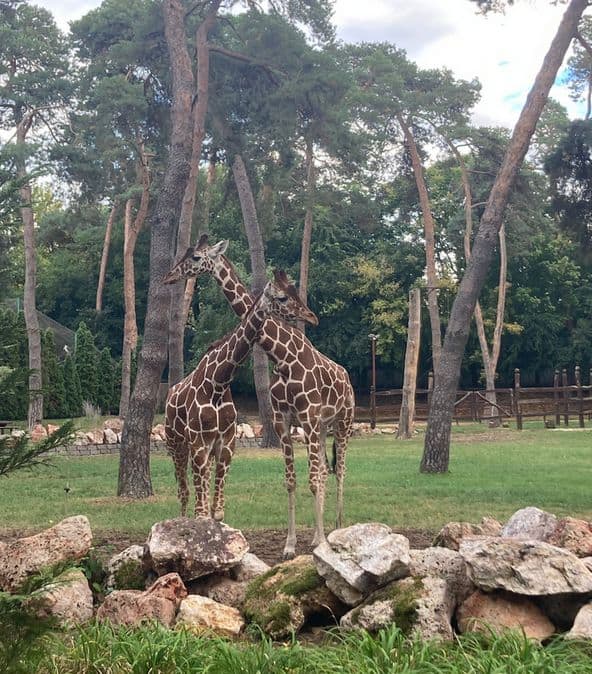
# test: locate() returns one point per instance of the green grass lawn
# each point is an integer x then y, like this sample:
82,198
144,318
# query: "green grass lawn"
491,473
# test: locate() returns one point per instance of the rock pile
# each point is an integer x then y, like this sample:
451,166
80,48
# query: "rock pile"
533,574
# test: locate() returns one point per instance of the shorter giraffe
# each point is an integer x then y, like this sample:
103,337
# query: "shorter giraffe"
200,417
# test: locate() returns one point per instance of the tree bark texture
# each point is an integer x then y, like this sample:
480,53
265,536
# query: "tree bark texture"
105,258
134,465
430,243
177,314
35,410
257,254
407,415
308,223
437,441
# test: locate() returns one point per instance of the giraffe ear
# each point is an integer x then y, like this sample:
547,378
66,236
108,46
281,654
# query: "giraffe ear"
280,278
218,249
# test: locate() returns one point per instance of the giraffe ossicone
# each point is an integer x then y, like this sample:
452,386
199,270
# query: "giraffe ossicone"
308,389
200,417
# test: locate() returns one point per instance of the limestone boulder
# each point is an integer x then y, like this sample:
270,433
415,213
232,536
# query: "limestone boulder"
248,431
417,606
201,614
453,533
38,432
113,425
80,438
224,590
573,535
110,436
359,559
68,599
194,547
582,627
446,564
588,562
52,428
159,602
530,568
125,570
530,524
67,541
248,568
501,611
282,600
95,437
158,432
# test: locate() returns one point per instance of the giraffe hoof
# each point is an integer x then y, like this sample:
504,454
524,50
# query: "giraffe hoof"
218,516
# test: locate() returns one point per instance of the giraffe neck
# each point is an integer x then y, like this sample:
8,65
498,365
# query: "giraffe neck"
233,288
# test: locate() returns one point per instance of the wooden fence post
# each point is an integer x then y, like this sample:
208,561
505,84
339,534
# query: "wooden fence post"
580,396
517,398
565,397
556,398
407,414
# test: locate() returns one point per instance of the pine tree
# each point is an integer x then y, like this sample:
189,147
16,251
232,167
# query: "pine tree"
54,392
106,382
13,366
73,405
86,361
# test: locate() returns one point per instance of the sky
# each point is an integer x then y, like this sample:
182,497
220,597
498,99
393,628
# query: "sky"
503,51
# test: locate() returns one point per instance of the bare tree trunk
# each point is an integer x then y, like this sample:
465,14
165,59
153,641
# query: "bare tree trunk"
257,253
407,415
308,222
35,411
437,441
178,316
207,202
105,258
132,229
134,465
430,244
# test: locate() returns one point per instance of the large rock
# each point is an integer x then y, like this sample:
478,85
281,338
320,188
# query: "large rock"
249,567
125,570
530,524
110,436
582,627
573,535
159,602
194,547
446,564
500,611
67,541
113,424
417,606
38,432
68,599
200,614
359,559
452,533
283,599
525,567
222,589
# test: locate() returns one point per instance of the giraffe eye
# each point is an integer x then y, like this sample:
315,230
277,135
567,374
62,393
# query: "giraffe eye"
282,299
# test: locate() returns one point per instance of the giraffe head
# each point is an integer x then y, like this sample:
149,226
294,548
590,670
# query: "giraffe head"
198,260
280,298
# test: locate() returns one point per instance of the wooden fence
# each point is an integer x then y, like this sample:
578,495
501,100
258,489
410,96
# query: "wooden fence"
554,405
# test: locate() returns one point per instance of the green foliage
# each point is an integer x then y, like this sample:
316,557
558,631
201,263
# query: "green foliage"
13,365
73,388
54,390
86,359
106,398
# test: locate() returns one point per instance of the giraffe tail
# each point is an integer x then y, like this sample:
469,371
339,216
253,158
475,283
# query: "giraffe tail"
334,457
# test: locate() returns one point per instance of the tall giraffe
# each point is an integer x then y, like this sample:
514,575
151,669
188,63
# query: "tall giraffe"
307,389
200,417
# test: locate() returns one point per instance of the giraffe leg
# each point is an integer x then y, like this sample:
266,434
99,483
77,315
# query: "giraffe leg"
179,452
201,465
317,477
342,431
282,428
222,465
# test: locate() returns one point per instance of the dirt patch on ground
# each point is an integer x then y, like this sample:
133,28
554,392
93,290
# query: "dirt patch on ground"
267,544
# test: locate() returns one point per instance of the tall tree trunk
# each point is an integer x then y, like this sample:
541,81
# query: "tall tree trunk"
105,258
178,316
407,415
257,253
490,358
205,228
430,243
308,222
35,411
134,464
437,441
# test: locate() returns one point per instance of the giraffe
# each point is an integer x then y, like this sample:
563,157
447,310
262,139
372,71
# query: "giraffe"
307,389
200,417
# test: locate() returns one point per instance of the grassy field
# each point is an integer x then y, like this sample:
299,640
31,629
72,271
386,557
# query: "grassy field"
492,472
